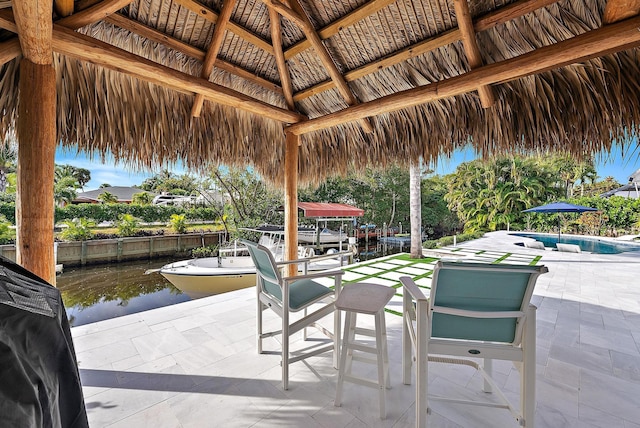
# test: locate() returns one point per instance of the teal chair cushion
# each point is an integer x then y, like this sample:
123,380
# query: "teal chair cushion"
305,291
479,290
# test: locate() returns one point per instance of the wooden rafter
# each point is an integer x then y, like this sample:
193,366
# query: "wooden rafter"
63,7
74,45
285,11
514,10
471,49
214,48
402,55
605,40
328,63
211,16
9,50
93,13
349,19
508,13
276,40
180,46
617,10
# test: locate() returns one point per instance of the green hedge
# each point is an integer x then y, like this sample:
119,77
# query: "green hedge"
146,213
448,240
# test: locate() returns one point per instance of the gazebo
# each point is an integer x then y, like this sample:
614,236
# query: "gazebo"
302,89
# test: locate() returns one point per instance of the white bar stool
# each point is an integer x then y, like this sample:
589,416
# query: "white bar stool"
370,299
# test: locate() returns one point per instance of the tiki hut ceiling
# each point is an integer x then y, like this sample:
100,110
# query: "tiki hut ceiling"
364,82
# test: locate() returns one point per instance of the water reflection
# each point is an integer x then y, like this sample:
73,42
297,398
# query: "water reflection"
101,292
96,293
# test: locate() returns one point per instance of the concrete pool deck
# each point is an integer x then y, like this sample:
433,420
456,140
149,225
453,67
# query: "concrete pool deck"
195,364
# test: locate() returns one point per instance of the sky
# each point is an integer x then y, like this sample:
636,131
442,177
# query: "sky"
617,164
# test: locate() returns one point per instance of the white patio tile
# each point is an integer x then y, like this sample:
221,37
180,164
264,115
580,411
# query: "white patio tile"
367,270
195,364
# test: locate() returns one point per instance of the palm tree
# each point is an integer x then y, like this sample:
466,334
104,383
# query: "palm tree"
107,198
415,210
8,157
489,195
65,185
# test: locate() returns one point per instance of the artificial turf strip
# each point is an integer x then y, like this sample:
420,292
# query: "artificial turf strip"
428,274
501,259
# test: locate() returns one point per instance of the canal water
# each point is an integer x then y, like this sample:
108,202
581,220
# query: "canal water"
96,293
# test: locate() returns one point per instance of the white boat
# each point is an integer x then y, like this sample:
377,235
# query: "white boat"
326,236
233,269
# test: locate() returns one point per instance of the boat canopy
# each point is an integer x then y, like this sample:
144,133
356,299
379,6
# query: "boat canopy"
325,209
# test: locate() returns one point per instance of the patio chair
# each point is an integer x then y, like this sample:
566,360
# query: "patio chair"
475,310
534,244
568,248
288,295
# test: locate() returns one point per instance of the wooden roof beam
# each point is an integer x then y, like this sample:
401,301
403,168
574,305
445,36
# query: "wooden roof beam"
85,48
617,10
211,16
9,50
328,63
285,11
63,7
606,40
349,19
187,49
465,24
214,48
93,13
283,70
105,10
402,55
490,20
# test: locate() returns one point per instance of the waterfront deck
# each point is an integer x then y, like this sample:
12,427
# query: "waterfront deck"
195,365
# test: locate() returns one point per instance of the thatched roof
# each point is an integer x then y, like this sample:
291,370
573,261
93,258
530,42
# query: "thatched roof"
379,47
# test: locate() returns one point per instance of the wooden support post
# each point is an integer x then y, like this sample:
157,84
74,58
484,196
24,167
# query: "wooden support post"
291,200
37,145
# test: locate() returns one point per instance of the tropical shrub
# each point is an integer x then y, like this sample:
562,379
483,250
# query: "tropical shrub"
491,195
127,225
6,234
108,198
142,198
178,223
78,229
448,240
208,251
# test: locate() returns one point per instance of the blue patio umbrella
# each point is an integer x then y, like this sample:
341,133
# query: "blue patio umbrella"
559,207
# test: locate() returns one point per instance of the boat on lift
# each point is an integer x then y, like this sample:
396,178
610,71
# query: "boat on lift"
233,268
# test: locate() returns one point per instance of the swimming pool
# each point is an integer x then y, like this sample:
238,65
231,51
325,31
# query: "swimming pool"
592,245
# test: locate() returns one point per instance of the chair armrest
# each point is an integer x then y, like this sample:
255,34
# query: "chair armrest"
289,262
412,288
321,274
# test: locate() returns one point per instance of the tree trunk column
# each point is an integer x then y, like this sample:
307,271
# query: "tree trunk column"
291,200
36,129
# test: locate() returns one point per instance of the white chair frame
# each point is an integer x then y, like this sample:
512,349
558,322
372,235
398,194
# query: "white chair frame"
420,347
283,310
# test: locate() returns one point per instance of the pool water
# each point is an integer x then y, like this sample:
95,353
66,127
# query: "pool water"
592,245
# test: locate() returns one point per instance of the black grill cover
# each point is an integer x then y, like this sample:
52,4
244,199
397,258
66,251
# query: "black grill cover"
39,380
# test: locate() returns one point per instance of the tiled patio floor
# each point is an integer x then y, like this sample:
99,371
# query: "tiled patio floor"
195,365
